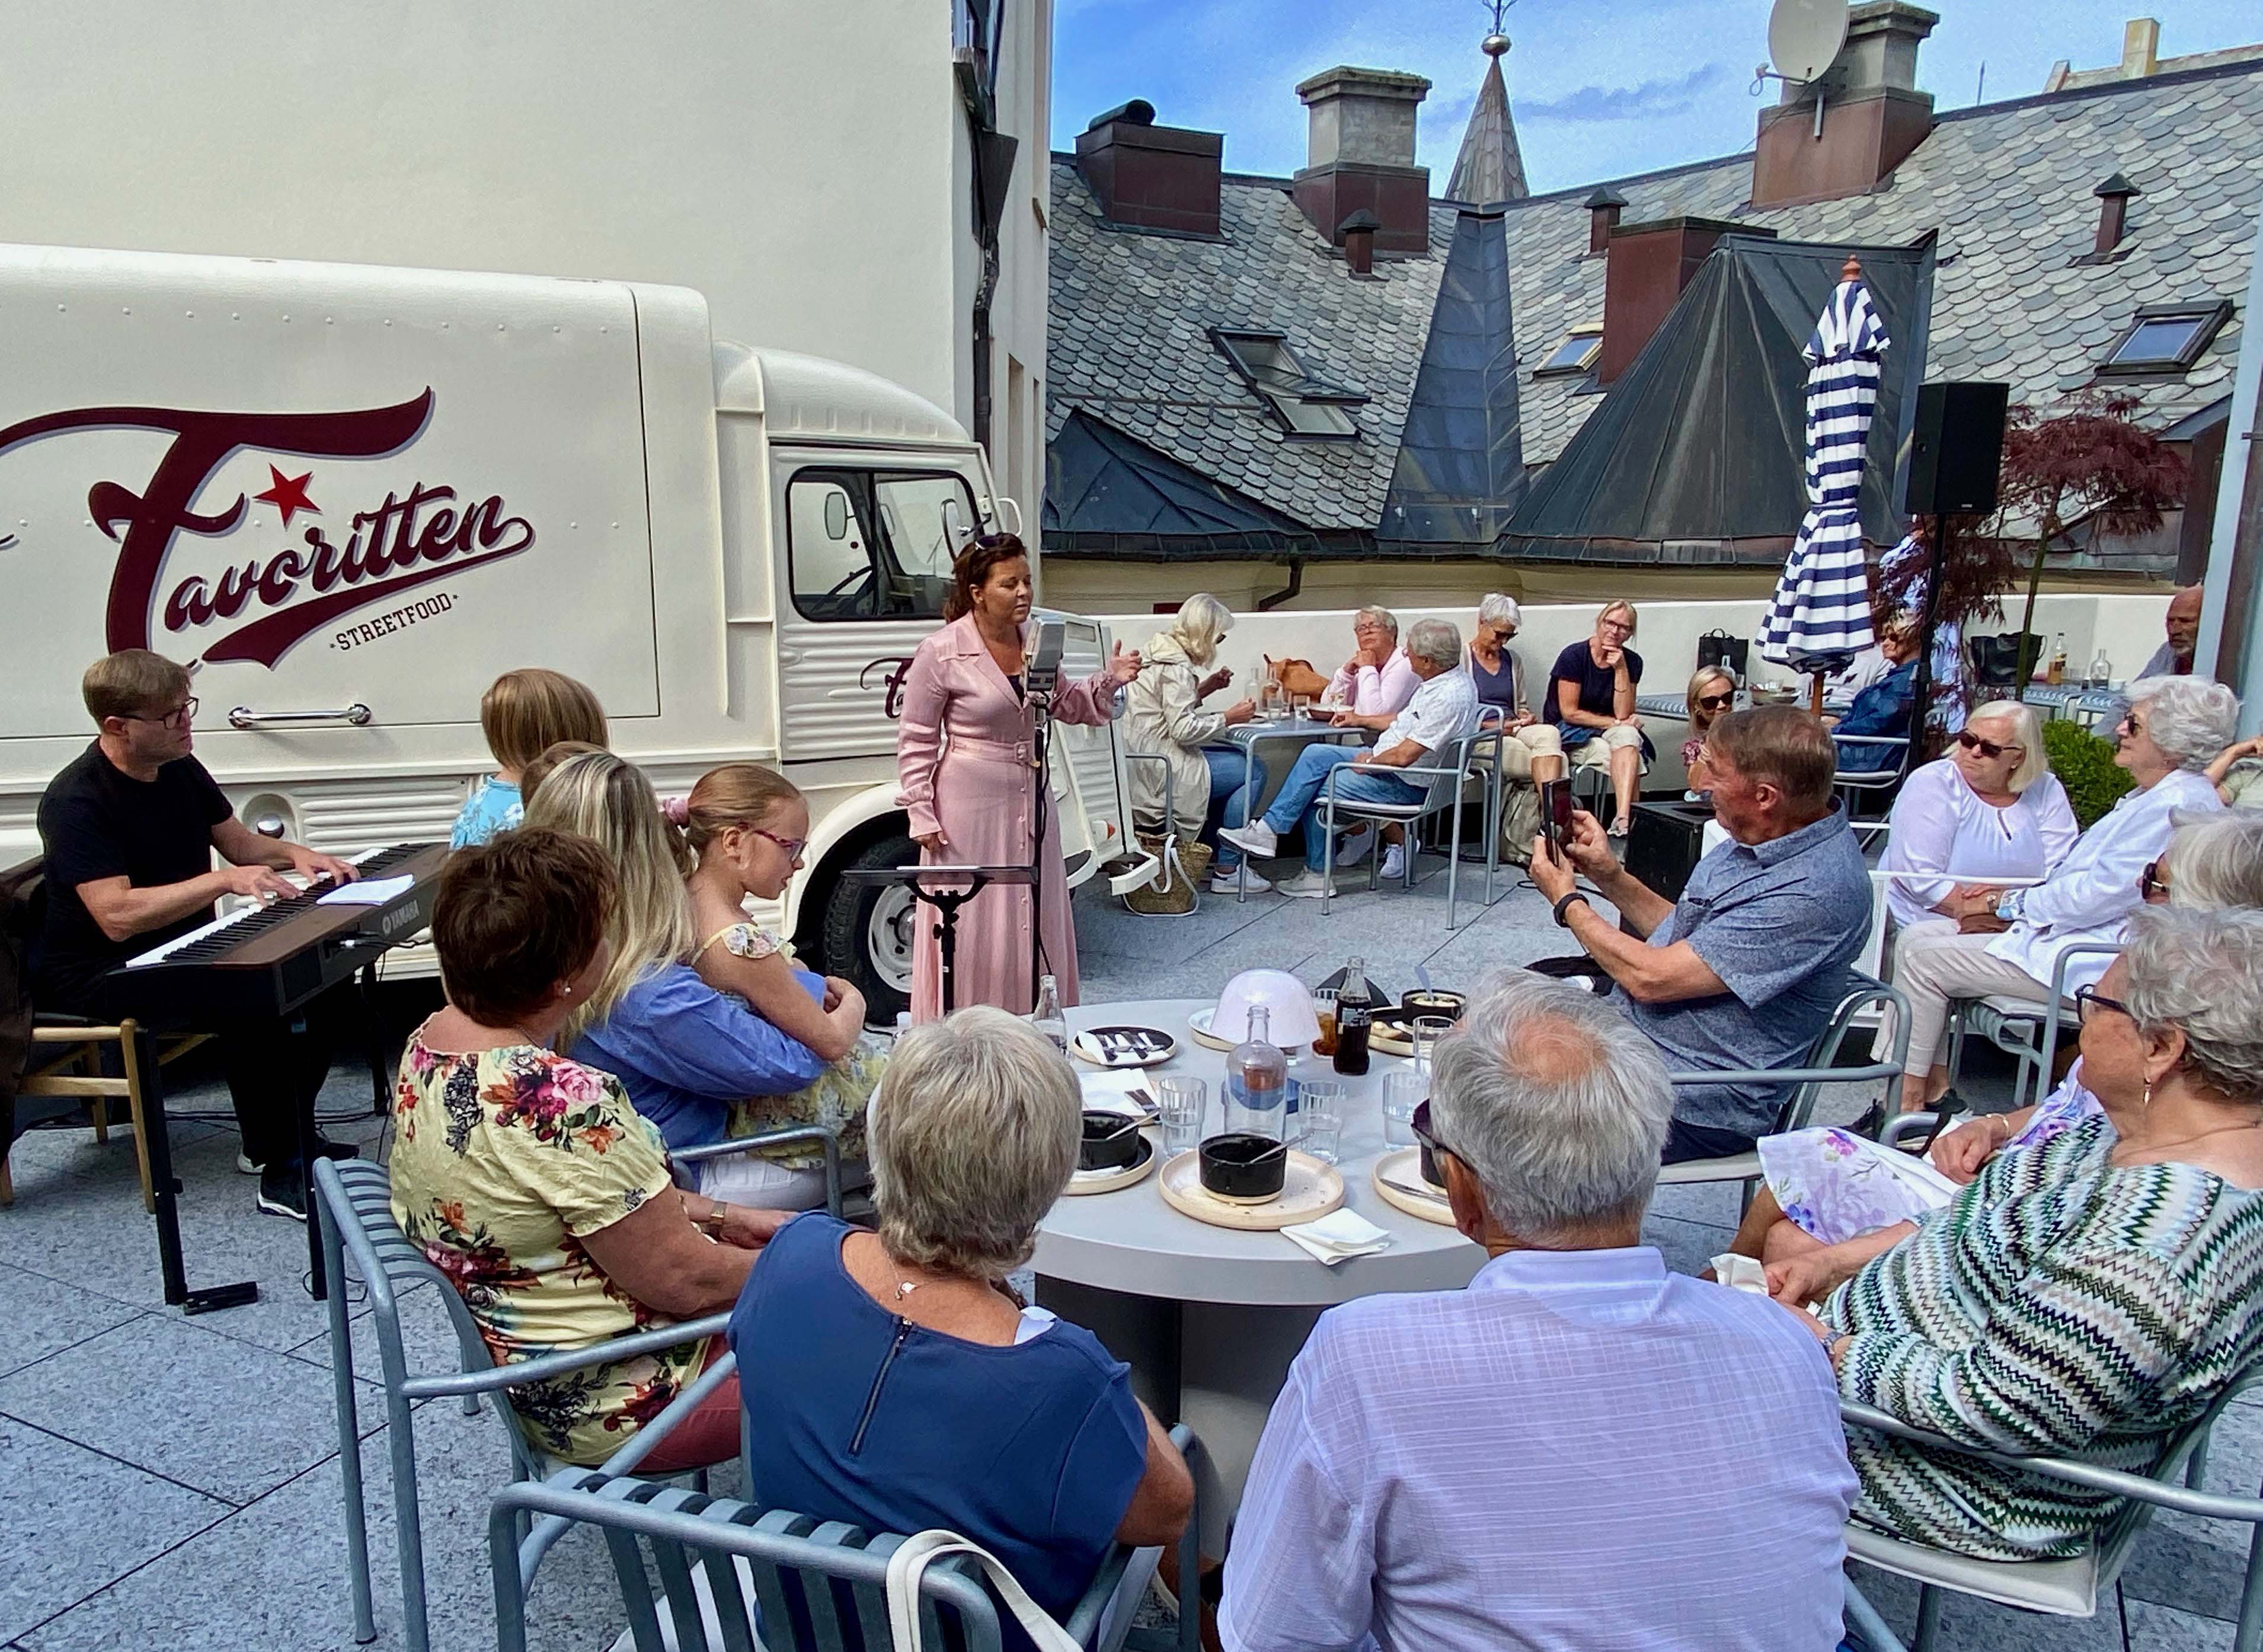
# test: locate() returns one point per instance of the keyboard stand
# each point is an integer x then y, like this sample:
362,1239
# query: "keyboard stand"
165,1189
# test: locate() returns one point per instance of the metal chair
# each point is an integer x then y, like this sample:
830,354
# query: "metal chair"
1854,784
1444,795
2063,1588
356,1209
1807,1084
1170,839
789,1584
2022,1028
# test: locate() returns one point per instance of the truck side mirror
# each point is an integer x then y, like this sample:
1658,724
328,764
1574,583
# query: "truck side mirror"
954,531
836,515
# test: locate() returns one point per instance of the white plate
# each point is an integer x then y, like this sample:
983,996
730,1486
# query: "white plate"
1121,1058
1199,1022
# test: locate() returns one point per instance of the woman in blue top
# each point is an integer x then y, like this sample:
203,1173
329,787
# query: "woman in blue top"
1882,708
1591,701
893,1380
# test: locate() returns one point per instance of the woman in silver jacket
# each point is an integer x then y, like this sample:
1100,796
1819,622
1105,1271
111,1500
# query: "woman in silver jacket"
1166,718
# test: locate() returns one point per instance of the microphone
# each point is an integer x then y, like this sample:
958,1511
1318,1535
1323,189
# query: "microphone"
1041,665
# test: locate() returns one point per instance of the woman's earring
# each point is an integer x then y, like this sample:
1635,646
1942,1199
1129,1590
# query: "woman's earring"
2147,1102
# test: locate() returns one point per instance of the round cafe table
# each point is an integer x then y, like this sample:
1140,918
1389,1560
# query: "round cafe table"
1209,1318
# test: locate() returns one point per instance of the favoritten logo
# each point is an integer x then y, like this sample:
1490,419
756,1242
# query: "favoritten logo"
408,540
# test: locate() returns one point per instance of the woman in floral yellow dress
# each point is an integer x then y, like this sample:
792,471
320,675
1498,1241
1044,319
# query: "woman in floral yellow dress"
531,1182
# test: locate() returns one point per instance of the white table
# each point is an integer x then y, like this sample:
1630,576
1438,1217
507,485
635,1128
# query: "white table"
1250,736
1209,1318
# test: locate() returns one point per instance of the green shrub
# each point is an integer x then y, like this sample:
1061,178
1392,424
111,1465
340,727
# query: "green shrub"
2084,765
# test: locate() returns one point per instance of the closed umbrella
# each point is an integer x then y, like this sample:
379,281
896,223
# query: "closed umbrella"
1820,616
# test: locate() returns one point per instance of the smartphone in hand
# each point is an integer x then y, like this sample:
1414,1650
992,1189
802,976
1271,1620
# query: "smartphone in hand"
1556,815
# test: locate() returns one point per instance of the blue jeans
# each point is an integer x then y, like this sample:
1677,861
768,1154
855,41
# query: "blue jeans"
1230,799
1299,792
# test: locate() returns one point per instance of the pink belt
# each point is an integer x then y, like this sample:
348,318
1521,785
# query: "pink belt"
994,751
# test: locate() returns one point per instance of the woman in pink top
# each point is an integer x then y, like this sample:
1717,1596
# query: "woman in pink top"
964,751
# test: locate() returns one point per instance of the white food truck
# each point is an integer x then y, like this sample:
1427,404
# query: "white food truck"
349,497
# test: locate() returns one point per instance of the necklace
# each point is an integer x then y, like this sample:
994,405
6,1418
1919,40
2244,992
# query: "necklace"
2199,1135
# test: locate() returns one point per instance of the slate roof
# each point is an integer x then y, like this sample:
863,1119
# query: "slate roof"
2007,187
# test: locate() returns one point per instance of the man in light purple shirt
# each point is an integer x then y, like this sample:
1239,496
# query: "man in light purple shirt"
1579,1450
1378,681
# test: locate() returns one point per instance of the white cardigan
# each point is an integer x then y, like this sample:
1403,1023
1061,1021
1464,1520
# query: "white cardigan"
2090,897
1942,825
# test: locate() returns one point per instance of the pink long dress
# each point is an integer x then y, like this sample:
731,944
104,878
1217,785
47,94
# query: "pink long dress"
964,753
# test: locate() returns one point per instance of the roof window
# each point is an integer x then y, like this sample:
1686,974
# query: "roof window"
1306,406
1575,354
2166,337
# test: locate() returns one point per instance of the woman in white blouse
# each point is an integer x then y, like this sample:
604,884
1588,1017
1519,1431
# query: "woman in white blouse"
1992,809
2006,943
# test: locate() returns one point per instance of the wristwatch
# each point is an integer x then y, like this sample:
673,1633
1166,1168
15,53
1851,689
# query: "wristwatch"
2011,905
1564,908
711,1223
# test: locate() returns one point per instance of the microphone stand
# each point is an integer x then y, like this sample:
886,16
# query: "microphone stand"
1040,705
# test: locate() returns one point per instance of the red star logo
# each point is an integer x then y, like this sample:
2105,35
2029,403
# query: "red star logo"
289,494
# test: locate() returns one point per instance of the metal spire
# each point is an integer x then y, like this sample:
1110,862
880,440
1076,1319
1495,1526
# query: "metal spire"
1490,167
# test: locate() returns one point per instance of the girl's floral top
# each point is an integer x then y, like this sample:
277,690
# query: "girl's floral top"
504,1158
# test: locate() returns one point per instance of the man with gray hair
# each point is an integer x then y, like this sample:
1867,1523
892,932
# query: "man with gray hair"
1443,710
1580,1449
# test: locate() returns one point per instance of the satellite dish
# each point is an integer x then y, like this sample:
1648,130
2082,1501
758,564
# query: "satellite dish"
1804,37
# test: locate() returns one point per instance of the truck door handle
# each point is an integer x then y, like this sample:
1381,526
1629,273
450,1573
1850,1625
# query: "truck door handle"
244,717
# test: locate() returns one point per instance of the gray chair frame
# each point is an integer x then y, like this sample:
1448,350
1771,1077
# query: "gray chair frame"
1798,1107
1851,783
1170,835
831,1576
1448,782
2025,1030
355,1215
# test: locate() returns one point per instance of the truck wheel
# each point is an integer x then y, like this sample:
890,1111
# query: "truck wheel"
868,929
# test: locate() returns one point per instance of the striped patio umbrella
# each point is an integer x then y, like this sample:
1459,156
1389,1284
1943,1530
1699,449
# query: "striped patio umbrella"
1820,616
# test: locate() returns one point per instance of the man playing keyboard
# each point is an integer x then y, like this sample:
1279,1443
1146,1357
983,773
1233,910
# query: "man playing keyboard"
127,832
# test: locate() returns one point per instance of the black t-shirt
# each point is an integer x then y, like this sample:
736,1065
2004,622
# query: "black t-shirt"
1598,684
97,823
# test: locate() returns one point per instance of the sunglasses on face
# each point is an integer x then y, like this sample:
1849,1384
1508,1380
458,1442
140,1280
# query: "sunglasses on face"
2151,883
1717,702
1987,749
2089,998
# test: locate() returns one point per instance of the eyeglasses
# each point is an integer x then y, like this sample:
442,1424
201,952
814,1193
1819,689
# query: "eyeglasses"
1620,626
184,714
1716,702
2089,998
792,846
2151,883
1987,749
1427,1136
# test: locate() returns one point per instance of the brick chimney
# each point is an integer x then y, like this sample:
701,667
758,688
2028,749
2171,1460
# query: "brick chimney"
1149,176
1873,114
1603,209
1357,234
1363,156
1649,264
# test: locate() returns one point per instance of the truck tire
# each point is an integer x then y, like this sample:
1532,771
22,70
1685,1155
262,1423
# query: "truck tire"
865,935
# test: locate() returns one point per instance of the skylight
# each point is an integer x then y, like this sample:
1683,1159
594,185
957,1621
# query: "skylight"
1306,406
1575,354
2165,337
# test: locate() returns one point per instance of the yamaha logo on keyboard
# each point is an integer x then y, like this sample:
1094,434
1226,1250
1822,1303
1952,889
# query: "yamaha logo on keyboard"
408,917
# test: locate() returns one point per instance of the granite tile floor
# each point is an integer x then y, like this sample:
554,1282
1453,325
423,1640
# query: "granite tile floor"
173,1483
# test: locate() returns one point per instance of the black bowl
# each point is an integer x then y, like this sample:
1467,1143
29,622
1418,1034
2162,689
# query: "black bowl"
1431,1172
1111,1141
1243,1168
1433,1001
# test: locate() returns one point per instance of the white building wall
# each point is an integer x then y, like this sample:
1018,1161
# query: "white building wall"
795,162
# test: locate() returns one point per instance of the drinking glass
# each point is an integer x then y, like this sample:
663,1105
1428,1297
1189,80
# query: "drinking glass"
1324,1009
1321,1132
1403,1092
1425,1030
1326,1094
1180,1106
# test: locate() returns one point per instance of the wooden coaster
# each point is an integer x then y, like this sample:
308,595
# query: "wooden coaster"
1395,1173
1110,1181
1309,1191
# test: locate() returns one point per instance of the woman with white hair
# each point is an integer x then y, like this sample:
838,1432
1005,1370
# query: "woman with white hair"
1166,718
1991,809
892,1379
2083,1298
2006,941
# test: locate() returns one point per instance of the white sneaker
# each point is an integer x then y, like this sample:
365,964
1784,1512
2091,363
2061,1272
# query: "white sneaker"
1355,848
1394,862
1231,883
1256,838
1307,885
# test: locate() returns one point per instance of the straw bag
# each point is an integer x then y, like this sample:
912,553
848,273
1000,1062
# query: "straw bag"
1185,865
908,1562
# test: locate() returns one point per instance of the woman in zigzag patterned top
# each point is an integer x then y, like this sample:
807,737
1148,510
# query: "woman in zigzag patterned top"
2084,1297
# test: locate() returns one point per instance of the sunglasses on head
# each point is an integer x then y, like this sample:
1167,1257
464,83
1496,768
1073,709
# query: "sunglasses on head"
1987,749
1716,702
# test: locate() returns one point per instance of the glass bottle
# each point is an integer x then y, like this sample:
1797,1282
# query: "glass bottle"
1047,1018
2101,670
2055,673
1355,1012
1257,1080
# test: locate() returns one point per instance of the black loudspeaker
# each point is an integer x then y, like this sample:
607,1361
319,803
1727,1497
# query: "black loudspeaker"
1957,449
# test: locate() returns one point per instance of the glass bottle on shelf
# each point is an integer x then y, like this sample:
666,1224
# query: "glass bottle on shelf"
1355,1011
2101,670
1047,1018
1257,1081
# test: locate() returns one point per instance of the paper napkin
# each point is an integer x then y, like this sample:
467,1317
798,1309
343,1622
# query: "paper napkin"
1337,1235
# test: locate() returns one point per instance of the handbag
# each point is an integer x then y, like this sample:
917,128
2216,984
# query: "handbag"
1185,865
909,1563
1718,647
1996,660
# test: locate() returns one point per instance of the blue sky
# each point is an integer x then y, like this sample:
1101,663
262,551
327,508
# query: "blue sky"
1600,89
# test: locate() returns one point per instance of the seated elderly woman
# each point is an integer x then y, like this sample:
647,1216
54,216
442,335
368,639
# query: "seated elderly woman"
2128,1249
1209,781
1378,680
1827,1185
1882,710
895,1381
531,1182
2006,941
1992,808
1534,750
1591,689
697,1062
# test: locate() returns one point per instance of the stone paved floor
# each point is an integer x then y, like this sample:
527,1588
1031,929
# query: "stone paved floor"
173,1483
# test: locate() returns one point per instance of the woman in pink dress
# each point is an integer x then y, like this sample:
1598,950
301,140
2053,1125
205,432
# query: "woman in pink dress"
964,755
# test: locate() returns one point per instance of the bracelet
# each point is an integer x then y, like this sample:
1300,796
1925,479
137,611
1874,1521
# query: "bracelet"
1563,907
711,1223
